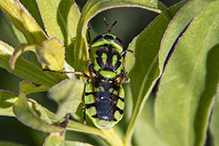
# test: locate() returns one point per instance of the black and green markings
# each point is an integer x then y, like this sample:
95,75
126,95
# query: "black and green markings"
104,94
106,54
104,99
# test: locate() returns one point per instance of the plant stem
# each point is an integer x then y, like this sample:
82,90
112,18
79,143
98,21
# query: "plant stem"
113,138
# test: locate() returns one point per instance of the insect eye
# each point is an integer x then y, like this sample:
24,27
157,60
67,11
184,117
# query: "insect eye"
119,42
108,38
97,39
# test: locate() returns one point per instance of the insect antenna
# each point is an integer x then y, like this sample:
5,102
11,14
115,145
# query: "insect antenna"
109,29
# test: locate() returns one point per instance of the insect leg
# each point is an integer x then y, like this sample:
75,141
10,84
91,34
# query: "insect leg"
66,72
128,50
84,118
65,123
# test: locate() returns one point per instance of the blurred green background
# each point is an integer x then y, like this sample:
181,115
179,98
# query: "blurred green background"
131,22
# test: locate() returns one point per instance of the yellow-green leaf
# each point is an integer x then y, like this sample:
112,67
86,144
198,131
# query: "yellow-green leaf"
21,49
55,139
7,100
31,113
36,34
76,143
24,68
53,52
60,18
20,16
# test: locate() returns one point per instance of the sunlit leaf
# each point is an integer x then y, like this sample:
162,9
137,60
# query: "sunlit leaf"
51,55
7,99
35,33
53,52
10,9
21,49
23,20
55,139
32,7
76,143
61,20
189,82
23,68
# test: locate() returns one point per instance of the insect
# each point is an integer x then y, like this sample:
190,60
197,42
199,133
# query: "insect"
104,94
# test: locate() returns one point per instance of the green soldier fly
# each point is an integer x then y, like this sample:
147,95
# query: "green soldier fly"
104,94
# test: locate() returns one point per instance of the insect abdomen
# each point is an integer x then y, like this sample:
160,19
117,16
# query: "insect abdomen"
104,103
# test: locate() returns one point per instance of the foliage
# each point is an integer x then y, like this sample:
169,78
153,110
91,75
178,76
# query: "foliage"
179,49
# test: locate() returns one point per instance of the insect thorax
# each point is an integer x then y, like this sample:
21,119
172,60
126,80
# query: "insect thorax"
107,61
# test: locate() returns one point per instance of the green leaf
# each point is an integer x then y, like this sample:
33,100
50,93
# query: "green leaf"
144,65
214,121
10,144
55,139
60,18
28,88
145,71
10,9
53,52
51,55
24,21
24,69
36,34
7,99
68,94
180,21
146,132
76,126
30,112
58,139
64,16
110,135
94,7
76,143
18,33
21,49
32,7
189,82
